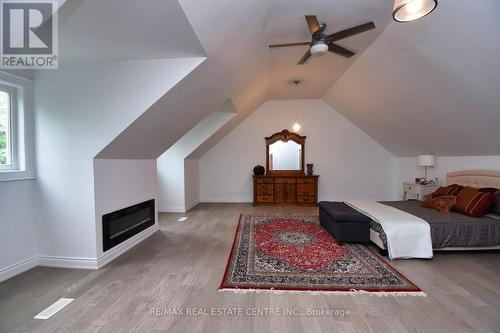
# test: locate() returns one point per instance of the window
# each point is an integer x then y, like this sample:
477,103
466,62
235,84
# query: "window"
17,135
8,158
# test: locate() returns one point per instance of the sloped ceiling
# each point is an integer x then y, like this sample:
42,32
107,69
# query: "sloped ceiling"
241,67
430,86
286,23
114,30
239,73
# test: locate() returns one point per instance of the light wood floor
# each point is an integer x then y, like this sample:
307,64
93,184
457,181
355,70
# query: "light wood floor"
182,266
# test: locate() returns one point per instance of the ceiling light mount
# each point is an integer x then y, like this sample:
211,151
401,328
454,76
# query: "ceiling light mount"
411,10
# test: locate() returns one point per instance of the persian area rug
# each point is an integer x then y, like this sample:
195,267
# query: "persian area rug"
296,254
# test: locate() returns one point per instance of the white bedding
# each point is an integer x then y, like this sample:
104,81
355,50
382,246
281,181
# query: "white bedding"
408,236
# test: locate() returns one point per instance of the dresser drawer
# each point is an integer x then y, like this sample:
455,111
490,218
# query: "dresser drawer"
265,187
264,198
285,180
305,189
305,199
264,181
305,181
265,192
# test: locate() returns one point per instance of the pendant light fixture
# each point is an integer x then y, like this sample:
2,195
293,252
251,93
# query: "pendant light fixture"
296,127
411,10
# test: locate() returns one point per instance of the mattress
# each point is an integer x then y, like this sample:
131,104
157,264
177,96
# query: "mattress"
449,229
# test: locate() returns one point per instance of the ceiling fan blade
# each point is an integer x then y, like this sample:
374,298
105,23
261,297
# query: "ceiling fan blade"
304,58
290,44
334,48
312,22
350,32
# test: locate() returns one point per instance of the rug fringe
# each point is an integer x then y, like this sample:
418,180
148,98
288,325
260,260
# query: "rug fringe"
352,292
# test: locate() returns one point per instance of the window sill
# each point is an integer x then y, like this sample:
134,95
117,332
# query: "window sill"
10,175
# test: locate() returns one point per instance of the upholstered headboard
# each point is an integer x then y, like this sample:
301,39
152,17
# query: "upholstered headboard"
474,178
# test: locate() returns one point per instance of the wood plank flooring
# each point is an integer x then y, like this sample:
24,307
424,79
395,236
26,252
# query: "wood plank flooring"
182,266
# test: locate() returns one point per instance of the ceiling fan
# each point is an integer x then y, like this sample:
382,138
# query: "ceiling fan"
322,43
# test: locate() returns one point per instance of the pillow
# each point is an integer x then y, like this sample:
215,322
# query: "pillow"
495,208
443,204
472,202
447,190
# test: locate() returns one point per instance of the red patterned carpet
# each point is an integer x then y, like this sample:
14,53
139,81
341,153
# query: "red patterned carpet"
295,253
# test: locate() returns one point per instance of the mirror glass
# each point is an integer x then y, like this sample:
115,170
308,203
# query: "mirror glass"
285,155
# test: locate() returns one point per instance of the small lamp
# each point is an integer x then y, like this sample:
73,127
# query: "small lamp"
426,161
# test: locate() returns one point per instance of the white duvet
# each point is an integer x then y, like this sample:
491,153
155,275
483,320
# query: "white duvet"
408,236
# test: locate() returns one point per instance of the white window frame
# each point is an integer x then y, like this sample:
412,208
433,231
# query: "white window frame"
12,130
22,132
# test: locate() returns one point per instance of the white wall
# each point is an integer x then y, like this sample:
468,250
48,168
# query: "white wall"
119,184
171,181
19,218
177,178
18,191
350,164
191,182
79,110
407,168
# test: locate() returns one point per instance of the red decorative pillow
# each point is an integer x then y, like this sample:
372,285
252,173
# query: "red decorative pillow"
493,190
443,204
448,190
456,189
473,202
495,207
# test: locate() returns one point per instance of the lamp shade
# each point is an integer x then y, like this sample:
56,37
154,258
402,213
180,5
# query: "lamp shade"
411,10
426,160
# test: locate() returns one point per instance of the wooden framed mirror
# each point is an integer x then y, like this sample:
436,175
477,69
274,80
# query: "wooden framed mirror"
285,153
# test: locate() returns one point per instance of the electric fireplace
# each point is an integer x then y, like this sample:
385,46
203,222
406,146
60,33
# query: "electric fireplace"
122,224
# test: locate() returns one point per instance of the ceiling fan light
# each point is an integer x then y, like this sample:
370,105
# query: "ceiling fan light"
411,10
319,49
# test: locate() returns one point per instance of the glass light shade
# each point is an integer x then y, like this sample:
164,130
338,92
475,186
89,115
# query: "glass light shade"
296,127
426,160
411,10
319,49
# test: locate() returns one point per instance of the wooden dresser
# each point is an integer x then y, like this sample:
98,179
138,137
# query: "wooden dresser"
299,190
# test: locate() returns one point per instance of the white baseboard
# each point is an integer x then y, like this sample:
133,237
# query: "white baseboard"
178,209
16,269
67,262
75,262
227,200
172,209
121,248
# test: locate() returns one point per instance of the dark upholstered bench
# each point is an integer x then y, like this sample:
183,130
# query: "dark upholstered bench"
344,222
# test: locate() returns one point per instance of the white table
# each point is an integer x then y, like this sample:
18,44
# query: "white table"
418,190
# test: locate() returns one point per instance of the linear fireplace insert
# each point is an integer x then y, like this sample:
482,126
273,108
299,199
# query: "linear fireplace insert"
122,224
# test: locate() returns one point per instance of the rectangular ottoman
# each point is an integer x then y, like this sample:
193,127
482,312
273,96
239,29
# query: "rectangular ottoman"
344,222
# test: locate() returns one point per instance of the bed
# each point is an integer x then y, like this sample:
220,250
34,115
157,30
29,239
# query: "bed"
452,231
